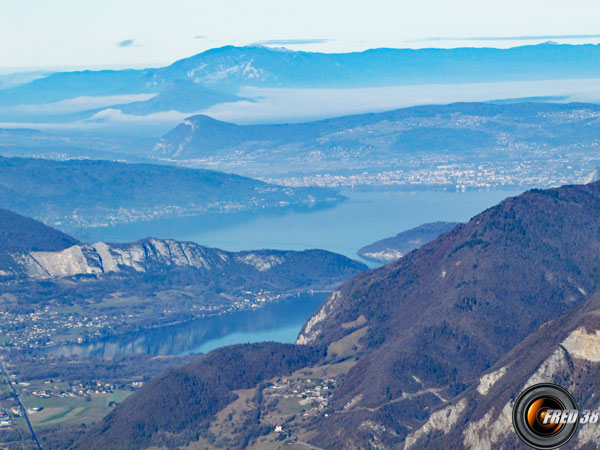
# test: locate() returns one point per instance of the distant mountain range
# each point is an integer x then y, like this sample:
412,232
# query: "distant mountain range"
472,144
389,249
227,69
425,352
82,193
8,80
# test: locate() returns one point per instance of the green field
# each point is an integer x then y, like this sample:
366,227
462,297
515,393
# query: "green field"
72,410
290,406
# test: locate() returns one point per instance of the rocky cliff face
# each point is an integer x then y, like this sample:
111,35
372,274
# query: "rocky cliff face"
140,256
41,264
565,351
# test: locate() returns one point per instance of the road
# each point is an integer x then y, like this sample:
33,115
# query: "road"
23,409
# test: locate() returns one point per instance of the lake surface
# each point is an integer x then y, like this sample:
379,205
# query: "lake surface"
280,322
366,216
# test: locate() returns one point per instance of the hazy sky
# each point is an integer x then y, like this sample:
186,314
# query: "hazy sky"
118,33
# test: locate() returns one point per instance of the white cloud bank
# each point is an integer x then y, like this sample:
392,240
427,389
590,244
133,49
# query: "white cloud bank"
294,105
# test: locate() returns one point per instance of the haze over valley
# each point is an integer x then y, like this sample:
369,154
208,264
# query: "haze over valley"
347,235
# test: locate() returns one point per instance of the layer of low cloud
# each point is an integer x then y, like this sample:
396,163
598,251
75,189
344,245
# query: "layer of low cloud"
80,104
111,115
276,105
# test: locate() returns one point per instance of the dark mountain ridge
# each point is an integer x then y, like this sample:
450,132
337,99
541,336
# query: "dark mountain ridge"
179,95
22,234
77,193
427,326
19,234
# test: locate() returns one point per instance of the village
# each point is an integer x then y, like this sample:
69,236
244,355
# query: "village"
51,326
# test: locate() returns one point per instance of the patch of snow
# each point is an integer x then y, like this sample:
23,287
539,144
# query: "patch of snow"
485,433
260,263
442,420
109,264
588,435
555,363
389,254
68,262
352,403
489,379
583,345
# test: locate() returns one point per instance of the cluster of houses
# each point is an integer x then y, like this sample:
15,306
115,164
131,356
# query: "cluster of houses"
76,390
446,175
312,394
5,420
37,329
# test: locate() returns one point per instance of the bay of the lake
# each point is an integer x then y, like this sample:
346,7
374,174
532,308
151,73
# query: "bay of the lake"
366,216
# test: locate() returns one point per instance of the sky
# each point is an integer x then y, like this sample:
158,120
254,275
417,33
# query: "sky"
147,33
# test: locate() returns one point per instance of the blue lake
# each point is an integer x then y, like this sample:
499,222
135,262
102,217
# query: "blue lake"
366,216
280,322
